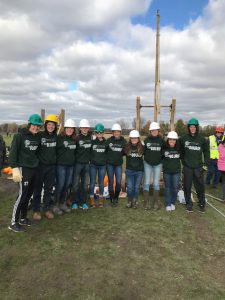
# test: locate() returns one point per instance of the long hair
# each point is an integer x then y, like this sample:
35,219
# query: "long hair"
73,136
159,134
176,147
128,146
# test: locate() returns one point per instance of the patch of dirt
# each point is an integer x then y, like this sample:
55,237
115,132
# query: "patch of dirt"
7,186
215,259
201,227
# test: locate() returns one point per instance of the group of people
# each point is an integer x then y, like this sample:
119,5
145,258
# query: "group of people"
43,159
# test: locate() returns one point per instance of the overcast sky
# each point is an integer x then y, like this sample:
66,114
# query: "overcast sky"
94,57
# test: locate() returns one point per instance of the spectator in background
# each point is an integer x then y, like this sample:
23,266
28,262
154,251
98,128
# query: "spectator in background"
221,165
214,141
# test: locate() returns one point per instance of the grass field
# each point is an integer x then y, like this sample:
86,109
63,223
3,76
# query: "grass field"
113,254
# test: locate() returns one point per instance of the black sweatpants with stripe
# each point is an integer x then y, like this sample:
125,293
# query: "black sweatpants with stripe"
26,188
194,176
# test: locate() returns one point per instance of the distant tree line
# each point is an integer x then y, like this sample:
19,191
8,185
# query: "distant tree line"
180,127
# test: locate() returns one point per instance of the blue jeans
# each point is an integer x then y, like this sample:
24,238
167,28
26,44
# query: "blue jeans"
213,172
150,170
133,179
63,180
80,183
117,171
101,170
171,182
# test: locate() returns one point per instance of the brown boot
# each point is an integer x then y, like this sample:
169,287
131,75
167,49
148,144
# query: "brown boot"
37,216
156,200
92,202
101,201
49,215
146,200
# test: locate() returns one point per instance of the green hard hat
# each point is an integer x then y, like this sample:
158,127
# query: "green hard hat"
193,121
99,127
35,120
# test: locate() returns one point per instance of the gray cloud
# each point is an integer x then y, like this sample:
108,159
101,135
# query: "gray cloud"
49,46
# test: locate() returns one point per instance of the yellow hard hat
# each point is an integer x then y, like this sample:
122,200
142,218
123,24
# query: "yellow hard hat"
51,118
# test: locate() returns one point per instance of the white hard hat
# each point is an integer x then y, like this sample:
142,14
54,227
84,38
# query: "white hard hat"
134,134
172,135
116,127
70,123
84,123
154,126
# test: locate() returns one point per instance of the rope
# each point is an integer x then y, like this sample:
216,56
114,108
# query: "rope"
211,204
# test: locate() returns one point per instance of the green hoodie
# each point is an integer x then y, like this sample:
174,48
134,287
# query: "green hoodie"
65,150
115,150
98,152
153,150
171,160
134,161
47,149
84,143
193,148
23,152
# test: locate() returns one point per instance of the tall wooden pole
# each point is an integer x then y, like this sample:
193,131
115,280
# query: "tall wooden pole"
43,114
138,111
172,114
157,71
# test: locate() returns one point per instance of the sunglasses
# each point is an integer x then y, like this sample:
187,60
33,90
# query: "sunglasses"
97,132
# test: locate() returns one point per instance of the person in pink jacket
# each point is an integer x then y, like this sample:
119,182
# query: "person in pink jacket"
221,165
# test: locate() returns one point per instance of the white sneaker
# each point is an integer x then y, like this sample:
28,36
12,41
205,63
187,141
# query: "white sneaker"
168,208
173,207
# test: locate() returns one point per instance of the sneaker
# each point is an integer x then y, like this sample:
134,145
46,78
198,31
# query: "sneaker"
65,208
49,215
168,208
37,216
25,222
189,210
84,206
129,204
16,227
74,206
172,207
201,209
57,211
